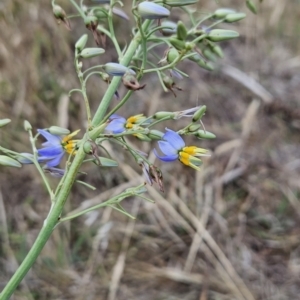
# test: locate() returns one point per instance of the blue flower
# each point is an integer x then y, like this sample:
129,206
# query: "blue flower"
55,147
173,147
119,124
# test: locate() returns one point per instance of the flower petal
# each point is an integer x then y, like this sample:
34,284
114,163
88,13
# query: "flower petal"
174,139
116,125
51,151
166,148
51,138
55,162
166,158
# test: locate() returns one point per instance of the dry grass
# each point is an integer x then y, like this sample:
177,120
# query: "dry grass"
229,232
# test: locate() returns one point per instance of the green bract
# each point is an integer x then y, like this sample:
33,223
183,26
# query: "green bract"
218,35
9,162
150,10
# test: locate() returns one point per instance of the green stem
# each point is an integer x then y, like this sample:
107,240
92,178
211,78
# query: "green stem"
46,231
37,165
125,61
78,67
112,34
78,8
53,217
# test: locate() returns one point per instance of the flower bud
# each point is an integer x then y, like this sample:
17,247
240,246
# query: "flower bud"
4,122
205,134
80,44
87,148
177,3
155,134
100,13
222,13
194,127
181,31
142,137
61,15
56,130
209,54
131,83
230,18
199,113
252,7
163,114
172,55
205,65
189,46
27,126
115,69
170,28
120,13
170,84
201,62
150,10
91,22
179,45
91,52
9,162
218,35
25,158
216,50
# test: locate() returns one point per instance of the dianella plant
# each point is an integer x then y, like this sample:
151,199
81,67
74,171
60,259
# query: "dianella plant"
196,40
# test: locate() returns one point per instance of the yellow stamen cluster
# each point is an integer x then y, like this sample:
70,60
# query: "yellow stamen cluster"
133,120
187,156
68,144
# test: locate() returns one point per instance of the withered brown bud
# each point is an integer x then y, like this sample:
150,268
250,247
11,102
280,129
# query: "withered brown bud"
131,82
91,23
61,15
170,84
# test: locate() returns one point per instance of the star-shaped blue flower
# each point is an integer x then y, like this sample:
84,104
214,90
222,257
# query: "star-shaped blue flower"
55,147
173,147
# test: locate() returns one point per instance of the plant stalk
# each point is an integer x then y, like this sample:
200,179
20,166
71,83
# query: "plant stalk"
53,217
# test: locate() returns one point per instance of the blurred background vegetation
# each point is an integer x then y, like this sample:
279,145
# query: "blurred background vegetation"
228,232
